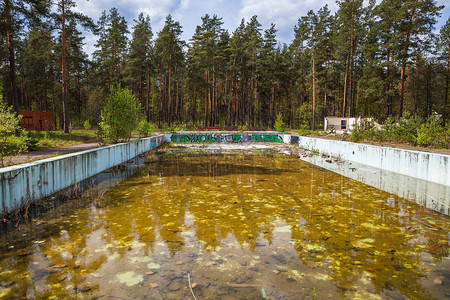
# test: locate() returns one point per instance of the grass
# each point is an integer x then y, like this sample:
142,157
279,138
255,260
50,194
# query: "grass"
54,139
57,139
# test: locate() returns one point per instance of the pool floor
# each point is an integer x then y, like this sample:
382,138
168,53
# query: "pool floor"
236,226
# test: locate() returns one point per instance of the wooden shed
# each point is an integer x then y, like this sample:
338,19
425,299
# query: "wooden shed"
36,120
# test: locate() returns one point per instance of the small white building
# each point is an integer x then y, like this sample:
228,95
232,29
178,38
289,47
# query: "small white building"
340,125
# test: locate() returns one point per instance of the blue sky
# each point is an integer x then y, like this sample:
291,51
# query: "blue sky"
283,13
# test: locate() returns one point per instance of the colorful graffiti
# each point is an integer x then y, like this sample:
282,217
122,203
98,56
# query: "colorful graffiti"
226,138
156,141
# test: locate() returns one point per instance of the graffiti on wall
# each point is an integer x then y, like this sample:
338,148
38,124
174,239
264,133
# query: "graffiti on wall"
156,141
226,138
294,140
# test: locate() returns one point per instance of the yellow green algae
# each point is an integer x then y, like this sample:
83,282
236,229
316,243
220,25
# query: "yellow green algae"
242,226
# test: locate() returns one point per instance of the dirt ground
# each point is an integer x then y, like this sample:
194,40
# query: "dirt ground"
45,153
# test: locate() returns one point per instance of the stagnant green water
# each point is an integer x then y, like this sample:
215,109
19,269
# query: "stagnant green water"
239,227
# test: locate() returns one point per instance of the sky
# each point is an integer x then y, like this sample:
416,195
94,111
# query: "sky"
283,13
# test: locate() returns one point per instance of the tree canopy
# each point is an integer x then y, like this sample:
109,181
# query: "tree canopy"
378,59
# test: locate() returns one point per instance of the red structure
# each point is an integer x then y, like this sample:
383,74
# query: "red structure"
36,120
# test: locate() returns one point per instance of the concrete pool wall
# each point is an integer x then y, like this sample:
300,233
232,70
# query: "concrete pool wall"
202,137
42,178
35,180
428,166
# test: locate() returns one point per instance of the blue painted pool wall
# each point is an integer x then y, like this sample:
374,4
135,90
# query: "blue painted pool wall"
35,180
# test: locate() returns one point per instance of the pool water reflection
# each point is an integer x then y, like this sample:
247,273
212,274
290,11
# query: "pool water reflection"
242,226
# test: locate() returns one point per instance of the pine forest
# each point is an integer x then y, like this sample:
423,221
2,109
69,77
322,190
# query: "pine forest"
383,59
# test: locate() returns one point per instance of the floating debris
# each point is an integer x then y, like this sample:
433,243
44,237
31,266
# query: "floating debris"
130,278
59,266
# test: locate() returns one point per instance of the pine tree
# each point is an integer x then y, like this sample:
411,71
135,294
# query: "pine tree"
139,62
14,11
445,54
169,58
416,24
63,15
111,55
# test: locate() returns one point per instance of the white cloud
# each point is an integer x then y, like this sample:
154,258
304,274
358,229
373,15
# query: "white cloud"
281,12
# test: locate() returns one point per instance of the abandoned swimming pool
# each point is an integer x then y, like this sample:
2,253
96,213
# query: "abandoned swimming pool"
231,226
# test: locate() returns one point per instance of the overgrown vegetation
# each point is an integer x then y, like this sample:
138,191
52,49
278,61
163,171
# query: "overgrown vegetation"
120,116
9,124
412,131
279,124
145,128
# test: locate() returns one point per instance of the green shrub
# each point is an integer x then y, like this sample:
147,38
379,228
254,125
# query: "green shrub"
29,142
120,116
358,134
49,135
304,130
406,130
9,123
433,134
280,126
243,127
145,128
171,128
87,125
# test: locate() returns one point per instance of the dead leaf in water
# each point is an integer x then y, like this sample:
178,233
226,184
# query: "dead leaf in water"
153,285
59,266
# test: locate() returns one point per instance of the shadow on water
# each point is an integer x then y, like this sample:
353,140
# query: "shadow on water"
216,165
81,195
238,224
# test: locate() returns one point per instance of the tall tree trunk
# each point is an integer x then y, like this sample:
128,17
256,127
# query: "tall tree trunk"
206,102
352,49
388,87
147,96
161,95
325,98
314,85
291,93
64,68
140,94
344,103
12,59
405,53
444,123
169,95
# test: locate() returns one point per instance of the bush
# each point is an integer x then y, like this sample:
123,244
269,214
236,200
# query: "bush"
174,127
304,130
433,134
411,131
30,143
87,125
243,127
9,123
280,126
145,128
49,135
406,130
120,116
